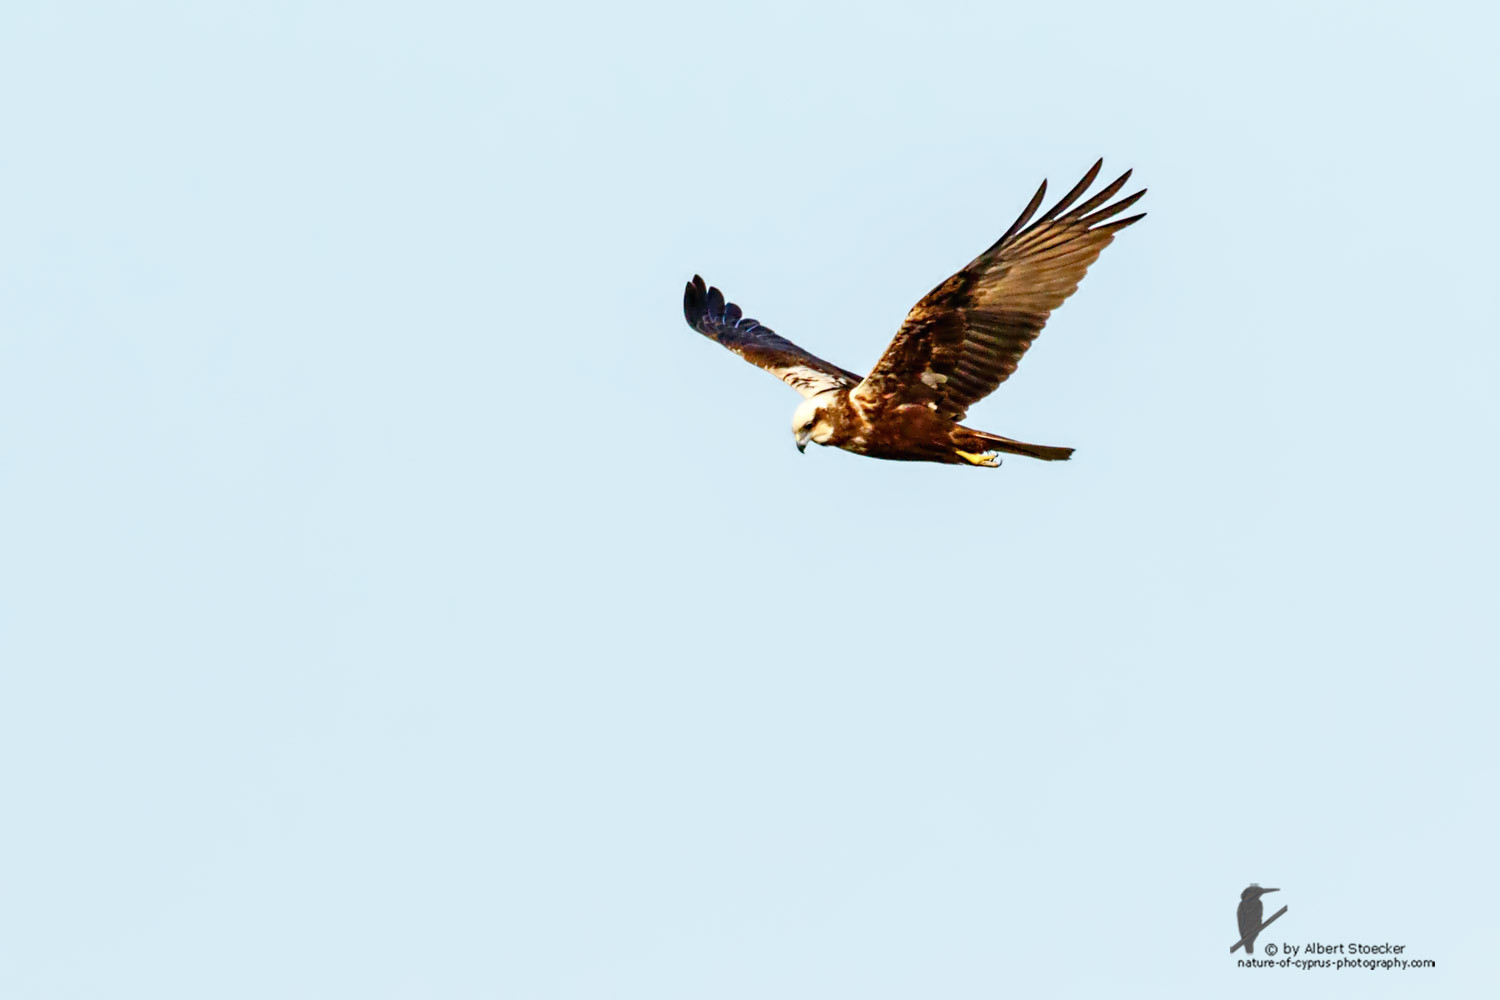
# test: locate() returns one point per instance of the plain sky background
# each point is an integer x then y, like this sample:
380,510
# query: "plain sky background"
398,600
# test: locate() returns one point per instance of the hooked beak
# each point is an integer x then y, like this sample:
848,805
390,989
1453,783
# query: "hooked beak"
802,439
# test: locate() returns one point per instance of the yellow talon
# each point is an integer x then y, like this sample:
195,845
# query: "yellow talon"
989,459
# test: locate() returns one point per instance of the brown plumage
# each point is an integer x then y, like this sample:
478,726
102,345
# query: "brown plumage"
957,344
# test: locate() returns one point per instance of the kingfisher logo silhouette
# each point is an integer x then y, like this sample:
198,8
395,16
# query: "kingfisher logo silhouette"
1249,917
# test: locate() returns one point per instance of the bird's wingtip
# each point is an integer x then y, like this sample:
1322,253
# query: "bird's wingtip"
692,300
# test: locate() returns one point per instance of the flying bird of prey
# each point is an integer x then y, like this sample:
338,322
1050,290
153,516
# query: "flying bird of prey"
956,346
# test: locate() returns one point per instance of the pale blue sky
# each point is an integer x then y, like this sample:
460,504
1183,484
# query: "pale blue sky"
398,600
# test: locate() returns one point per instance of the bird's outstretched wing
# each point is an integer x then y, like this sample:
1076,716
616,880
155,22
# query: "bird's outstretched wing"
710,315
967,335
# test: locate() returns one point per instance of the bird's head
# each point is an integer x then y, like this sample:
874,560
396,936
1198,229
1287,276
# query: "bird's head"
810,421
1255,892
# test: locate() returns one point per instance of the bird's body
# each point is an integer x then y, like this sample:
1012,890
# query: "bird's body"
1249,914
908,432
956,346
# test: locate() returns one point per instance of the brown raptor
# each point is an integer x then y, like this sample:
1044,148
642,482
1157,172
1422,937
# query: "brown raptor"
955,347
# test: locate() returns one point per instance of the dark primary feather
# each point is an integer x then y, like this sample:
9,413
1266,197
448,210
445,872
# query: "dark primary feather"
968,334
710,315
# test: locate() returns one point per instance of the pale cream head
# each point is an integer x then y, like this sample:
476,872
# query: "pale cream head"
810,423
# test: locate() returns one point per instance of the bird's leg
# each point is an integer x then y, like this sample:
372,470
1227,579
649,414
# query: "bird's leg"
989,459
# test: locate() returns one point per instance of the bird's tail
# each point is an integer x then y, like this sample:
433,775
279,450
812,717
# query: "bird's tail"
1250,947
968,439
